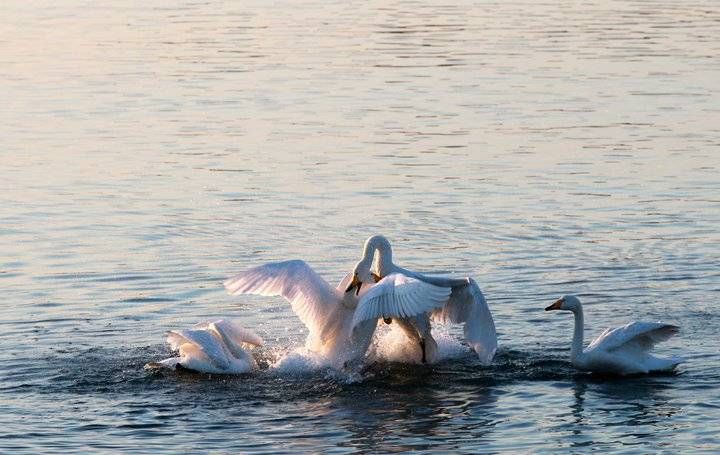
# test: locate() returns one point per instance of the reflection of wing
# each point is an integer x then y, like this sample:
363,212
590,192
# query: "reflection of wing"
198,344
311,297
635,336
399,296
467,304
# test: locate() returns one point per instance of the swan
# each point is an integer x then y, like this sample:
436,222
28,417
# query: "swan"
328,313
387,299
212,347
622,350
465,303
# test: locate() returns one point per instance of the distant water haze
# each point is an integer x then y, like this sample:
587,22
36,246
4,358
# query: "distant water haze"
148,151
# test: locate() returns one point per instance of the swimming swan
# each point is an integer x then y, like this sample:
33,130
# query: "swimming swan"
622,350
329,312
465,303
212,347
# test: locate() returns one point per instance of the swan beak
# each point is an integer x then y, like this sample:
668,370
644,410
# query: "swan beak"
355,283
556,305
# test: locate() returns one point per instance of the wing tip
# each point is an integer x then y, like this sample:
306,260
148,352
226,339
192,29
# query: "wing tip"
230,285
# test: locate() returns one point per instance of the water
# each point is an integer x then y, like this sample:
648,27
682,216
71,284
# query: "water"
149,151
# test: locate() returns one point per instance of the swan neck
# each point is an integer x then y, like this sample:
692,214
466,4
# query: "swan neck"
577,342
379,248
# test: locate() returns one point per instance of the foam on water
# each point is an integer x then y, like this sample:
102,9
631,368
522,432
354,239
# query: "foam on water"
389,346
296,361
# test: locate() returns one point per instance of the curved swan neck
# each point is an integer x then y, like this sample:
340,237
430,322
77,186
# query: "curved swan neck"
577,343
378,247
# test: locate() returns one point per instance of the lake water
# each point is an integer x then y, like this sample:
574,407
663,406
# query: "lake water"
148,150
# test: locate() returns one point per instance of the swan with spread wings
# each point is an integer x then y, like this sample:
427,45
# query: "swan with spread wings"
465,303
334,331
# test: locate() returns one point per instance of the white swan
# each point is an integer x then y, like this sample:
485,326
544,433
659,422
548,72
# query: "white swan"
466,302
395,297
622,350
328,312
212,347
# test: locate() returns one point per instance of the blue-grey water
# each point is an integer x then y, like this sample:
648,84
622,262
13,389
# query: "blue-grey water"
148,150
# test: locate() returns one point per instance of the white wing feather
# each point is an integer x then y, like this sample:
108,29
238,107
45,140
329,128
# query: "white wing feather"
202,341
640,336
467,304
399,296
310,296
234,337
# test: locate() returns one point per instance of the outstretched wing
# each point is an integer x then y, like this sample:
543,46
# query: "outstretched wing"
399,296
310,296
638,336
467,304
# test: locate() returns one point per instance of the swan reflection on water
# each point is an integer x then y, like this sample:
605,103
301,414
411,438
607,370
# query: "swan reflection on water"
404,408
612,408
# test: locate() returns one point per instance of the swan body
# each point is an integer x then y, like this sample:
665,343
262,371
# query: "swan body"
335,333
219,346
622,350
407,301
464,304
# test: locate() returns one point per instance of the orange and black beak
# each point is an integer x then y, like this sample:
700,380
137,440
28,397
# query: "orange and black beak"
355,283
556,305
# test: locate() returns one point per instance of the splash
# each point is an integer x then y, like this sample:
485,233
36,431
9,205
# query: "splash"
389,345
302,362
392,345
297,361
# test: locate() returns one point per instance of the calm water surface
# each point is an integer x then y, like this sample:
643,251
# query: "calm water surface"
149,150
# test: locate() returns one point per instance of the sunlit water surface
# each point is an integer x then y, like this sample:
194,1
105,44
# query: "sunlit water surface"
150,150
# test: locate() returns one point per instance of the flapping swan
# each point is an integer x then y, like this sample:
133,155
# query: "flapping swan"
622,350
329,312
466,302
405,300
212,347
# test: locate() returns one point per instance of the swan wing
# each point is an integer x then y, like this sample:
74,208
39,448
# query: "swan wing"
235,336
231,329
640,336
196,342
439,280
467,304
310,296
399,296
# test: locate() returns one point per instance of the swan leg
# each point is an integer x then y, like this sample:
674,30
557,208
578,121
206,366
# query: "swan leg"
422,346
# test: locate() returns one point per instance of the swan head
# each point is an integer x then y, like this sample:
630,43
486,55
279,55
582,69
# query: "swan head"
566,302
361,274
